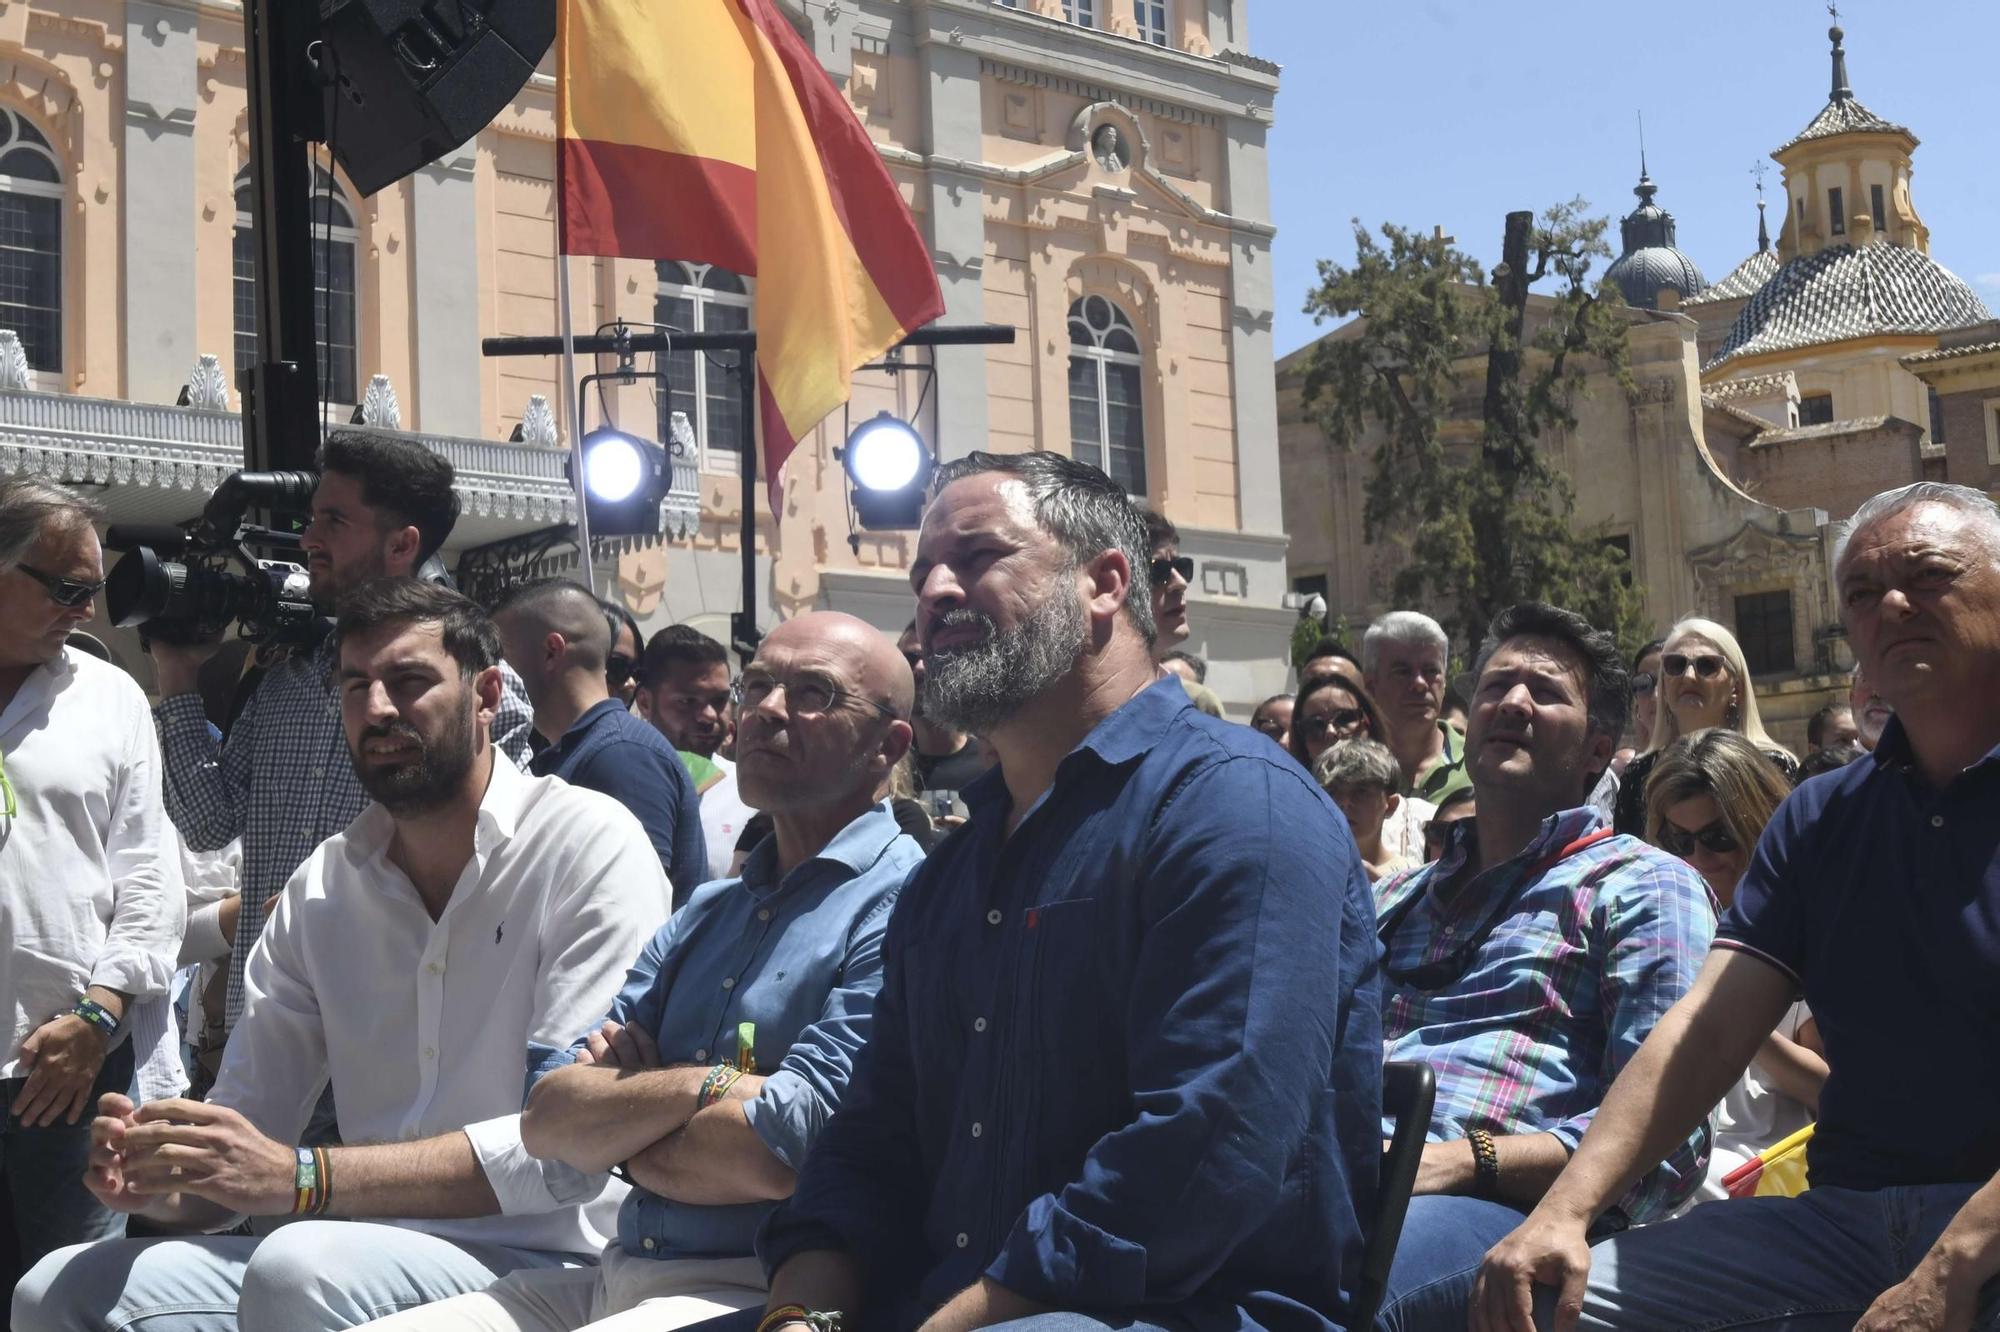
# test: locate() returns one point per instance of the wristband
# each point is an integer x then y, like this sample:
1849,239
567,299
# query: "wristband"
716,1085
323,1157
97,1015
305,1178
817,1320
1485,1165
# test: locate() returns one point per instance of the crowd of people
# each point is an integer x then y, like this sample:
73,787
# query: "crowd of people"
484,968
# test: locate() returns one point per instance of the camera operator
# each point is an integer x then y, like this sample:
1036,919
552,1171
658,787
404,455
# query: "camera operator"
282,780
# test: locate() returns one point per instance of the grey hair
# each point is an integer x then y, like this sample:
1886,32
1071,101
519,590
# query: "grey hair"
29,506
1412,627
1083,509
1358,763
1891,502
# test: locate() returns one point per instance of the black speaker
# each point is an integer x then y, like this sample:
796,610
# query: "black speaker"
407,81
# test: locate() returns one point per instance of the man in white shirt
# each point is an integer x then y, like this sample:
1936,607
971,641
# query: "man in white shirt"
90,907
452,940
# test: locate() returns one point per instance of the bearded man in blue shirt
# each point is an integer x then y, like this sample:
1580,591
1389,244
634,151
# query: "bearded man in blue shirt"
1125,1067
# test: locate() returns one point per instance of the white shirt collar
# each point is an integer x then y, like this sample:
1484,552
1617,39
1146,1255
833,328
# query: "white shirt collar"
507,792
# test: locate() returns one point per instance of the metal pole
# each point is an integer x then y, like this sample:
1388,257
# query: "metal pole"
743,629
573,405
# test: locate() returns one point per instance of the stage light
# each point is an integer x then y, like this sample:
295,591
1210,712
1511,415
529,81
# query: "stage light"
624,481
890,469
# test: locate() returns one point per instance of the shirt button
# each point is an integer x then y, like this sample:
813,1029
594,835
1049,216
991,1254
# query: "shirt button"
648,1244
1937,820
978,1129
979,1024
700,1055
430,1053
993,916
436,968
963,1239
729,982
764,914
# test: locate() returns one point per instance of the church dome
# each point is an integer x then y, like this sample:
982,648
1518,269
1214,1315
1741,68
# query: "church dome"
1650,263
1851,291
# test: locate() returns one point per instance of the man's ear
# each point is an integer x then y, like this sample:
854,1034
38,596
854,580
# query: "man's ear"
486,687
1391,805
400,547
1108,584
1597,757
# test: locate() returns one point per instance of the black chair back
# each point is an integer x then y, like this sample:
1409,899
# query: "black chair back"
1408,1090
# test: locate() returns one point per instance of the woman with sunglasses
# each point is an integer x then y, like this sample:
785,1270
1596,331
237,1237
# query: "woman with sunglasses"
1704,682
1331,708
1707,801
1645,696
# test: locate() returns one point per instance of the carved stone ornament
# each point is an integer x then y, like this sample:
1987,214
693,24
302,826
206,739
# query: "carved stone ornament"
208,387
538,423
13,361
1109,148
379,407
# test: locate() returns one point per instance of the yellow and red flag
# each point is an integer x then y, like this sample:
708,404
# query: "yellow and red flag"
706,131
1779,1171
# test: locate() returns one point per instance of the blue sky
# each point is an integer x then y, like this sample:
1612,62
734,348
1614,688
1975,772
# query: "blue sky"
1452,112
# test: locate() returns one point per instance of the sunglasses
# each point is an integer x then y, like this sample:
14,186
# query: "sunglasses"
1438,831
1645,682
1346,719
1165,568
1714,839
618,669
1705,666
69,592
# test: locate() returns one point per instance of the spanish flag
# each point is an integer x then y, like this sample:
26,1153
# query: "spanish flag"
1779,1171
705,130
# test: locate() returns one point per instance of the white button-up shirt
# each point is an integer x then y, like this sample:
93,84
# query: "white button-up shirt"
431,1027
89,891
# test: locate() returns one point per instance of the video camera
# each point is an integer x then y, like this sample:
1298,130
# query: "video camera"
176,584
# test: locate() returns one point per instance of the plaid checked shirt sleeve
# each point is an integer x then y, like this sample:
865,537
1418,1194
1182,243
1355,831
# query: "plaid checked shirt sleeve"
1657,921
514,723
207,784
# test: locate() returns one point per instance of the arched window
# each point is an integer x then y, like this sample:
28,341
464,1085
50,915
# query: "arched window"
700,298
31,194
335,242
1107,425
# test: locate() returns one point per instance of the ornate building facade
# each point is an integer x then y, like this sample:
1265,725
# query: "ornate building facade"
1092,172
1765,408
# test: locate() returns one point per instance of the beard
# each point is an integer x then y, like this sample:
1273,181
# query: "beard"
430,779
979,687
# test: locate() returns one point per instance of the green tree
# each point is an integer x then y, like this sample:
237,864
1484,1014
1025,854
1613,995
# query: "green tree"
1487,524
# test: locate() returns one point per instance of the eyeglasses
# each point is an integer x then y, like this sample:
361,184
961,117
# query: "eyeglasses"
618,669
1338,723
1269,726
66,592
1706,666
1164,568
806,694
1714,839
1644,683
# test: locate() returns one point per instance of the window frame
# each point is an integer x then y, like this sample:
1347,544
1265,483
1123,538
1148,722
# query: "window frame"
1153,21
1826,398
334,234
1082,13
710,458
1755,642
1836,201
1878,208
50,378
1101,359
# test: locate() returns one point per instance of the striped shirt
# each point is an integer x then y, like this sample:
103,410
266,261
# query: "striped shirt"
1590,950
283,781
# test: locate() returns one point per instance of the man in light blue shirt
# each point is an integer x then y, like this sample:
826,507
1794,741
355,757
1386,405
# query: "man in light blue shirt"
733,1038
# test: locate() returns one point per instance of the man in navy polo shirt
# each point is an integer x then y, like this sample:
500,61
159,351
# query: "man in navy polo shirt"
1876,892
1126,1062
557,638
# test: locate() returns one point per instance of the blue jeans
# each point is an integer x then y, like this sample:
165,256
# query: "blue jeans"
1063,1321
41,1170
1444,1240
309,1276
1804,1264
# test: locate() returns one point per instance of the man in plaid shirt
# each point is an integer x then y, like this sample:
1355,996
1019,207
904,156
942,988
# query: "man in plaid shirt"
282,781
1529,963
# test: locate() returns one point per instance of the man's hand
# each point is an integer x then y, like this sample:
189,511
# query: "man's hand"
183,1146
180,664
1925,1301
616,1045
105,1176
63,1057
1542,1251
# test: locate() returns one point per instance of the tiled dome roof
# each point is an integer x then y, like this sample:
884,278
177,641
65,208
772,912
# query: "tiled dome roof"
1849,291
1743,280
1650,263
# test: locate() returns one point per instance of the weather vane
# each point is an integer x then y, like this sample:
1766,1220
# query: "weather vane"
1833,8
1758,169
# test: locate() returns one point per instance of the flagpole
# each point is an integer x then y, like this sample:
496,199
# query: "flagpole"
574,404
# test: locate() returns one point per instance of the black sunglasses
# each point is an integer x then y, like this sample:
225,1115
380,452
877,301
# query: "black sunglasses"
1714,839
1163,567
1438,831
64,591
1645,682
1705,666
618,669
1342,720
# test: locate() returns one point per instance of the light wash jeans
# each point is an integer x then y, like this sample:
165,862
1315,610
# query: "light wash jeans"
622,1294
309,1276
1812,1263
1445,1238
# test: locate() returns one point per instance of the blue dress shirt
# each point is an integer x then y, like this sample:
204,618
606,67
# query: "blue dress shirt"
610,750
1127,1059
801,958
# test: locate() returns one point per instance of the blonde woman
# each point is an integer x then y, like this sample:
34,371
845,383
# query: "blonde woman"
1707,801
1704,683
